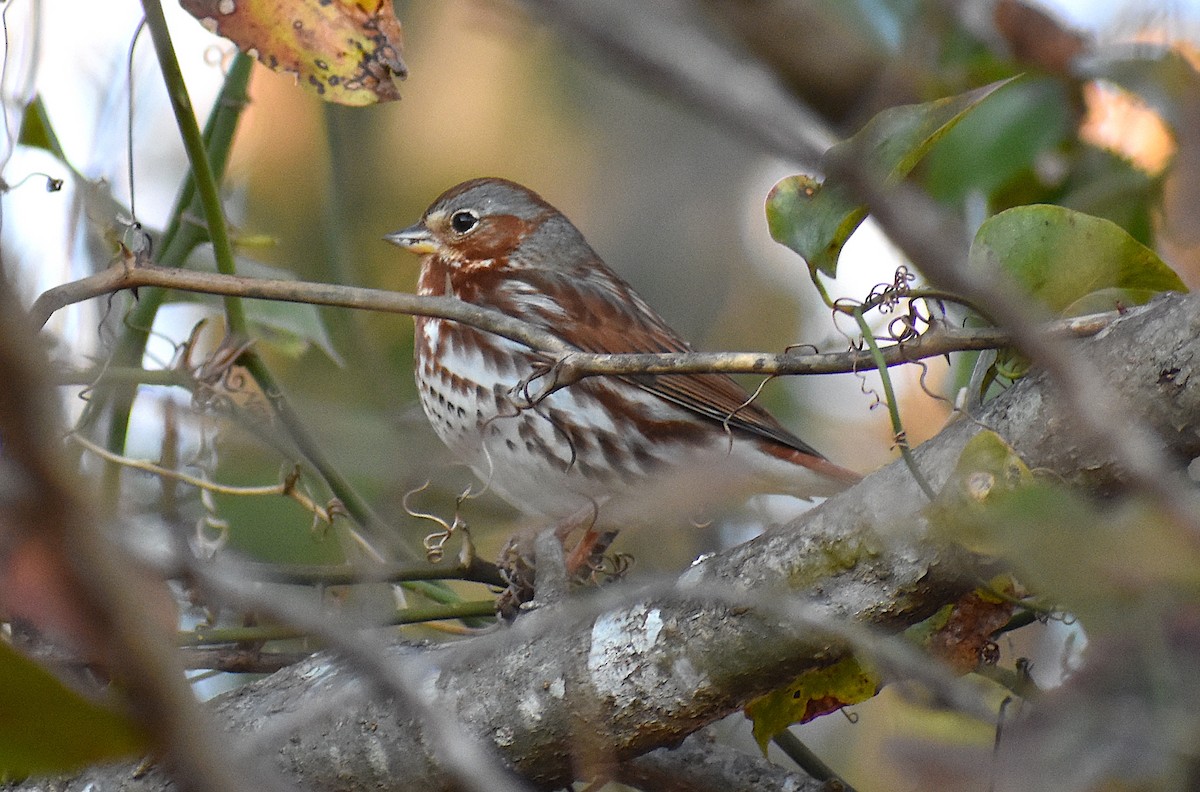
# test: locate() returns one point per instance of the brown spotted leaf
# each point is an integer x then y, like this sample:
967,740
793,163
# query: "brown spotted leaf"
961,634
348,51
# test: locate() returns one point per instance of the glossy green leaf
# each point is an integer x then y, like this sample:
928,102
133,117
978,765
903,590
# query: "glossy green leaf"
815,219
1000,142
46,727
1060,257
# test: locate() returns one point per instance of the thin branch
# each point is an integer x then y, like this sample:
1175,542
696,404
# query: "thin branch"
286,487
465,758
120,276
239,661
213,636
573,365
348,575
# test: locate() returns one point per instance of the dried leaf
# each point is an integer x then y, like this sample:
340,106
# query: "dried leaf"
962,638
346,51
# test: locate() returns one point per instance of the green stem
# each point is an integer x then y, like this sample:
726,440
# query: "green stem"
808,761
203,172
224,635
889,398
203,176
821,290
349,575
207,191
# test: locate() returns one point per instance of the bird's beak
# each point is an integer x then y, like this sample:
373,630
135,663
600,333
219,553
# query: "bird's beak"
416,238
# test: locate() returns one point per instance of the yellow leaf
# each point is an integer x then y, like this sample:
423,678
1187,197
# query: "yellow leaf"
810,695
346,51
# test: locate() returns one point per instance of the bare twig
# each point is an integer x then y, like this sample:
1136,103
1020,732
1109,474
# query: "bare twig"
572,365
286,487
348,575
119,277
215,636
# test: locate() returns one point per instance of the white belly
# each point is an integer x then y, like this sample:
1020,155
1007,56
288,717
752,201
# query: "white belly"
532,457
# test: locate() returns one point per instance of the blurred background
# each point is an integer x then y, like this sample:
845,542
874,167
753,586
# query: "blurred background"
670,200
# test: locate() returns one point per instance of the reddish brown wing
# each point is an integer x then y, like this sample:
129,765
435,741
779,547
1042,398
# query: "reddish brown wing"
608,317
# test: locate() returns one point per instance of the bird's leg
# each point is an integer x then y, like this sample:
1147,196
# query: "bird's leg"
539,570
588,554
550,574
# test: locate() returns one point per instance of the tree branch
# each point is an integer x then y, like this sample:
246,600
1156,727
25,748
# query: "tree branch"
571,364
622,675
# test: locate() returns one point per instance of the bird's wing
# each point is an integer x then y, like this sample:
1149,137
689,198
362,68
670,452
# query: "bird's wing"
619,321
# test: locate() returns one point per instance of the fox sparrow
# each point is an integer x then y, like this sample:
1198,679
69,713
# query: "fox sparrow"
624,447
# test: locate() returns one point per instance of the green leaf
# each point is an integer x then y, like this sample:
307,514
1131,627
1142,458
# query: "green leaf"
813,693
987,467
1000,142
1106,185
815,219
1060,256
1102,560
37,131
47,728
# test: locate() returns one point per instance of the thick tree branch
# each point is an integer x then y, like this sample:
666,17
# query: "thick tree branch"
701,764
626,677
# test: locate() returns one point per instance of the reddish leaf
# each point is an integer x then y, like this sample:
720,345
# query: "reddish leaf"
964,642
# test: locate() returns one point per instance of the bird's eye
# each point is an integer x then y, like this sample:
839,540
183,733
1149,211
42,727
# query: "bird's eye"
464,220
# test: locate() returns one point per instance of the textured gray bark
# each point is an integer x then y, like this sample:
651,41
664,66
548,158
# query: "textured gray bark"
575,688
